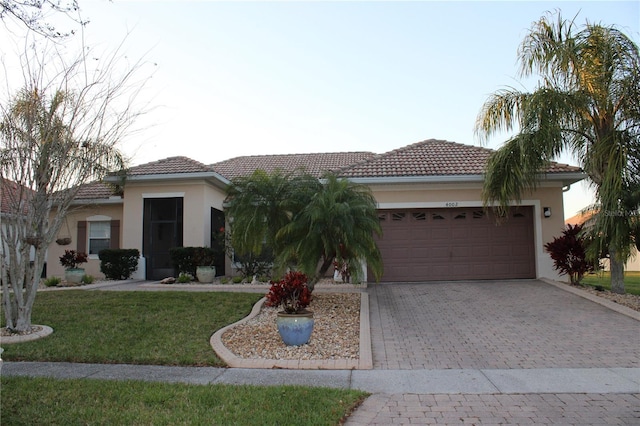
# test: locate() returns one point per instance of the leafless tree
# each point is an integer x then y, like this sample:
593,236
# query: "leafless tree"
59,131
36,14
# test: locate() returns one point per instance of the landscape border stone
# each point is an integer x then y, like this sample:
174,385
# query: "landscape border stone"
364,362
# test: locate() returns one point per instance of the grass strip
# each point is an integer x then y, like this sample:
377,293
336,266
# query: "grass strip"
155,328
29,401
603,279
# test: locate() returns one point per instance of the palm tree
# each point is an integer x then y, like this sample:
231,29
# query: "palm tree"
260,204
338,223
586,103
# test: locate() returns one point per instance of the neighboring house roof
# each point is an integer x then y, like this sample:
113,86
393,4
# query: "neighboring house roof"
432,158
580,218
10,192
314,164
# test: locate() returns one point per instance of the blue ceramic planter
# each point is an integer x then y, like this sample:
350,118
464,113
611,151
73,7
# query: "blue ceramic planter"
295,329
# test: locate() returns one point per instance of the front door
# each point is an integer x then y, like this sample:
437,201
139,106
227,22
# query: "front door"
162,232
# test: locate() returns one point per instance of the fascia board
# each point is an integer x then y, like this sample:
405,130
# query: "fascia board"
214,177
90,201
565,178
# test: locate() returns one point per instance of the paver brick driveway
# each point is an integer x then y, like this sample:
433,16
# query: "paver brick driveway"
496,324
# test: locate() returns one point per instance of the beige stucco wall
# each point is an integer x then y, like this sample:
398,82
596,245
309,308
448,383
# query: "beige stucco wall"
199,198
92,267
404,196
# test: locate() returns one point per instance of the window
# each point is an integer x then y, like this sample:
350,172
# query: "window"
419,216
99,236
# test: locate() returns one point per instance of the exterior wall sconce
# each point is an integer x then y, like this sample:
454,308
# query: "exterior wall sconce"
546,211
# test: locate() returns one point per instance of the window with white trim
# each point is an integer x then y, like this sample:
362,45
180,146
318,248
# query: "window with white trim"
99,236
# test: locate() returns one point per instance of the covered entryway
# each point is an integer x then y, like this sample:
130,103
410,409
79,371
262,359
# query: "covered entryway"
163,230
456,244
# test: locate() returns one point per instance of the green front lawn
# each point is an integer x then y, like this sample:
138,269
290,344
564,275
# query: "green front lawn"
631,281
162,328
42,401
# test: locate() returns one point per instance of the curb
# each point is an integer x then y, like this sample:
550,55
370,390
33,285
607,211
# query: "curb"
44,332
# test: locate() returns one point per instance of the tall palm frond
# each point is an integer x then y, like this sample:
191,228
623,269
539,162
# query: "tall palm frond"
586,104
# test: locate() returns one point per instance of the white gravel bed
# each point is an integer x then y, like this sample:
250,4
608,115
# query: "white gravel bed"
336,332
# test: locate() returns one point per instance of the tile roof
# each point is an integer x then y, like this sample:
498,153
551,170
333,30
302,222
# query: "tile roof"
171,165
10,193
580,218
95,191
432,158
315,164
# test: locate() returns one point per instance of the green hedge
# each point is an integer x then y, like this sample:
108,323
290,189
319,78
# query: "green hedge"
118,264
186,259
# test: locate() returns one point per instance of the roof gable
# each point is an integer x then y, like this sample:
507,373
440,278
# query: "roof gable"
432,158
314,164
171,165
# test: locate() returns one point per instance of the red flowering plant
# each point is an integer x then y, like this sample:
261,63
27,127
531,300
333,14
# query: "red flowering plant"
291,293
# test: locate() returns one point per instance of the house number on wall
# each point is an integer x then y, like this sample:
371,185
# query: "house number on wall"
451,204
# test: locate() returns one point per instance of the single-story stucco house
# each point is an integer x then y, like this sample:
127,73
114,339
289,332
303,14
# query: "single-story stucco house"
429,201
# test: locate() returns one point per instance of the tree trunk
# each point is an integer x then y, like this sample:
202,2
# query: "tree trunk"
617,271
326,263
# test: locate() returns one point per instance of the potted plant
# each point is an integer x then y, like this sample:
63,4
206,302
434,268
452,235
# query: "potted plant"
295,322
71,259
204,259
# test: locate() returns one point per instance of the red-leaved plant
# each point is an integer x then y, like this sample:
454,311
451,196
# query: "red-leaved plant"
291,293
569,254
71,259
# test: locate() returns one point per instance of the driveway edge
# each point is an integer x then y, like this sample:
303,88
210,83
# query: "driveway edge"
599,300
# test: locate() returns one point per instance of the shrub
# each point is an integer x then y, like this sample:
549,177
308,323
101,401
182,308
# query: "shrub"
187,259
71,259
118,264
250,265
225,280
87,279
237,279
52,281
569,254
184,278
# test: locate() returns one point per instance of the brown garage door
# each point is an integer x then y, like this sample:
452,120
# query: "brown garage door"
456,244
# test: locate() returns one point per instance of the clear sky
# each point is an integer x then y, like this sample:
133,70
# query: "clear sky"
244,78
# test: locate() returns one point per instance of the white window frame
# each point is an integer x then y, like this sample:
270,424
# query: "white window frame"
97,219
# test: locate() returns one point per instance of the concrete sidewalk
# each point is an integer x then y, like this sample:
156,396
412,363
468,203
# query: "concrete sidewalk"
485,381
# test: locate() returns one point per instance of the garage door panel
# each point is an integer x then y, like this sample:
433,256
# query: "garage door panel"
454,244
440,233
